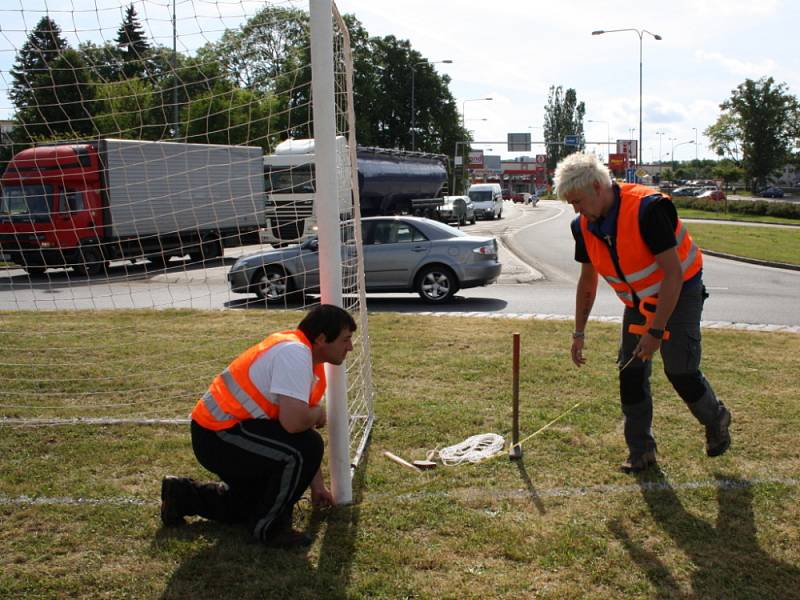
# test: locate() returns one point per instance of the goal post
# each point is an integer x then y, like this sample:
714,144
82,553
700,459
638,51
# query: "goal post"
138,173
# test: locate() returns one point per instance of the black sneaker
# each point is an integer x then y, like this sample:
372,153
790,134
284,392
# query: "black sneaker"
637,464
718,438
171,515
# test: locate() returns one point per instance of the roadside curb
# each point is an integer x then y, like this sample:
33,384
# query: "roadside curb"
752,261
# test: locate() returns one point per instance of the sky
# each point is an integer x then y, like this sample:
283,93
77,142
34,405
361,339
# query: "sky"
513,52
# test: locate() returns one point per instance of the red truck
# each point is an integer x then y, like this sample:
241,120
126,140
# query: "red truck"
81,205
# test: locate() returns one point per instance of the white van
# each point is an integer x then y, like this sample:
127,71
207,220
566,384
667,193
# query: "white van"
487,200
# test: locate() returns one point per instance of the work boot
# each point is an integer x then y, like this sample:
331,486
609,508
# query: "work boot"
637,464
718,438
172,494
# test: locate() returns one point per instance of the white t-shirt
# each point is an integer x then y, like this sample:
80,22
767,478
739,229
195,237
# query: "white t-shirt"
284,369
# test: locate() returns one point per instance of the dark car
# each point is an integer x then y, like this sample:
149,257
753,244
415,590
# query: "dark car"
506,194
771,192
401,254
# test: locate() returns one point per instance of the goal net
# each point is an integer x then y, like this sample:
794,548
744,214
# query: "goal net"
157,214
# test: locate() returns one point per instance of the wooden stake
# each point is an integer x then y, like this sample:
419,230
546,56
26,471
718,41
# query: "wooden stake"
400,461
515,452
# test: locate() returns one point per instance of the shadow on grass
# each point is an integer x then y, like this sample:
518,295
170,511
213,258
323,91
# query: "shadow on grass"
725,558
231,565
534,495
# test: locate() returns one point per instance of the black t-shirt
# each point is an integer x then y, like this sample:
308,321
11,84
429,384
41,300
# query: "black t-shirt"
657,225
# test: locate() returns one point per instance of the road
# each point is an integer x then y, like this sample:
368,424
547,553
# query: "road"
539,277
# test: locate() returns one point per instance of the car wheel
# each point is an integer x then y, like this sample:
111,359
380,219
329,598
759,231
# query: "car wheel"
272,284
500,215
473,220
436,284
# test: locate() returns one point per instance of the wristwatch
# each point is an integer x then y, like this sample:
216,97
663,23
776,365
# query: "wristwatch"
656,333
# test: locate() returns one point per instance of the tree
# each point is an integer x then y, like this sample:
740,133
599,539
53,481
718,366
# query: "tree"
563,117
725,137
728,171
761,117
53,89
133,46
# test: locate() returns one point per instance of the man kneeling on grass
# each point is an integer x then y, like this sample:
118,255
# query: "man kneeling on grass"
255,426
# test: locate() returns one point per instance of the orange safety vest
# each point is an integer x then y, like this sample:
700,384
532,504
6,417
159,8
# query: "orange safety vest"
638,271
232,397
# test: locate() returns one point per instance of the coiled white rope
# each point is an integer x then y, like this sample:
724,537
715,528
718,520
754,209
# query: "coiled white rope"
473,449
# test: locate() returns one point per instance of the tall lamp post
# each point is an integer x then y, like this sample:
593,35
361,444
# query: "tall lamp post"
640,33
608,135
463,107
673,151
659,134
413,99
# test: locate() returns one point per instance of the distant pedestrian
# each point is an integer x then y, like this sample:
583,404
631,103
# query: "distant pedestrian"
255,427
632,236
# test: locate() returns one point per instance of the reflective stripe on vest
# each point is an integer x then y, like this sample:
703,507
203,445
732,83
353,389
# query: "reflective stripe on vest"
641,274
233,397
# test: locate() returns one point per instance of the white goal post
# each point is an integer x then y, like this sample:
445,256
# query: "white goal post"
138,173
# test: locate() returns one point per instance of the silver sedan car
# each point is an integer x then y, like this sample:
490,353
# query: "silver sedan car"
401,254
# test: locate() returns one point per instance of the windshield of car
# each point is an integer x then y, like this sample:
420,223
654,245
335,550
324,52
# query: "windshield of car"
445,230
481,196
29,202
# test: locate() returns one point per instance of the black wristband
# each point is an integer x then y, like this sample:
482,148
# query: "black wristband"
656,333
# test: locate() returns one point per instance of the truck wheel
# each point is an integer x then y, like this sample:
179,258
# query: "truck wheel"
272,284
92,262
436,284
212,249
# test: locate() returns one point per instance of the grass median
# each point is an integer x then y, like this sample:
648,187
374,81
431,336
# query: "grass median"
774,244
79,505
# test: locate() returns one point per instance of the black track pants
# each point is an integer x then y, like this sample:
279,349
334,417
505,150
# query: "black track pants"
266,470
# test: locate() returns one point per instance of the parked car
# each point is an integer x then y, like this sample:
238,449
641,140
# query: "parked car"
685,191
712,195
506,194
457,209
771,192
520,197
401,254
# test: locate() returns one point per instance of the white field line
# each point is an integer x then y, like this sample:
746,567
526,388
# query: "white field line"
459,494
40,422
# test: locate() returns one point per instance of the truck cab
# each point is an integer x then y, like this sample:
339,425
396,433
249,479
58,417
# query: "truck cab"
50,205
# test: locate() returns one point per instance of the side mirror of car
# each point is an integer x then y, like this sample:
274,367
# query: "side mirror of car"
311,244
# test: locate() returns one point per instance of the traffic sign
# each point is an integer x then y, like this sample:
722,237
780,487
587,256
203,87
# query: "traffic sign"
572,140
519,142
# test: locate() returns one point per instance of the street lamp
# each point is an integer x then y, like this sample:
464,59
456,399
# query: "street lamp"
640,33
464,108
659,134
413,106
677,146
608,135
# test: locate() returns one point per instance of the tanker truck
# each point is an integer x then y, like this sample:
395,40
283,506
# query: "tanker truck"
389,182
83,204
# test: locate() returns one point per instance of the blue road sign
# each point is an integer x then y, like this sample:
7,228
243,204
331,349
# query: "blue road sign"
571,140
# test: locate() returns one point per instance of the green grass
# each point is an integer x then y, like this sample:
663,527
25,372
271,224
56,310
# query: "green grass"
693,213
561,523
764,243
